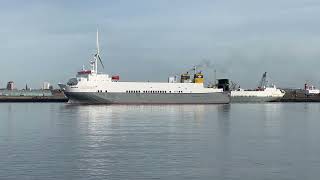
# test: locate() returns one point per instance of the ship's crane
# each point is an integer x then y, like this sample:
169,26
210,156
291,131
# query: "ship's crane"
234,86
193,69
196,70
203,65
263,82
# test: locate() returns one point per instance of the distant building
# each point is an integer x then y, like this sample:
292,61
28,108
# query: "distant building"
27,88
46,86
10,85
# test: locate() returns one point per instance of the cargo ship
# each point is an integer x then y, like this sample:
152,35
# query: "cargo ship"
92,87
264,93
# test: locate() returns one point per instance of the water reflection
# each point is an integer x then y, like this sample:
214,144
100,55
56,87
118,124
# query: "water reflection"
159,142
96,112
144,134
271,120
94,116
224,119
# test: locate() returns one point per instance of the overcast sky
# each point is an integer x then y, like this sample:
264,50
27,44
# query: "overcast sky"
152,39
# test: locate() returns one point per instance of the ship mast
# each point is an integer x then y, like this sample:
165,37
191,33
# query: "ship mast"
97,56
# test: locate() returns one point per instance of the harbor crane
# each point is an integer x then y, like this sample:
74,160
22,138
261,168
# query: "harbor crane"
263,82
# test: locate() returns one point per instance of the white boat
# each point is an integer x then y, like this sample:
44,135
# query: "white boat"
311,90
263,93
93,87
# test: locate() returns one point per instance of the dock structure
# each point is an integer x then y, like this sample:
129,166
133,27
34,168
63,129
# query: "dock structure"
32,96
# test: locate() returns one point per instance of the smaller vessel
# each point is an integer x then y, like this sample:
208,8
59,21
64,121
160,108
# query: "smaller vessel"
264,93
307,94
310,90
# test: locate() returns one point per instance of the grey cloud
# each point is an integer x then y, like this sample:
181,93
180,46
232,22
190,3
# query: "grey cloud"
241,39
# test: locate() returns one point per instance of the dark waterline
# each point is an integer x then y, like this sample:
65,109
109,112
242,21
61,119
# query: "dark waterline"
237,141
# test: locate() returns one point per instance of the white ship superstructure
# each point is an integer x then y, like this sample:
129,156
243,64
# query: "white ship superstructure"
264,93
89,86
310,90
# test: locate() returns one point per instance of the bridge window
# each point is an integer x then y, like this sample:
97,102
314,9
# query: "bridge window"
72,82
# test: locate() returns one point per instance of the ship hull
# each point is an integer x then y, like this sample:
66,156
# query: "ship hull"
145,98
252,99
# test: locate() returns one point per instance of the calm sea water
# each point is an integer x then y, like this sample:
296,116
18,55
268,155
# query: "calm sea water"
237,141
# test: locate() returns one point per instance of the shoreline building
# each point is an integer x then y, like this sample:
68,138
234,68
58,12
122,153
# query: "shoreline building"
10,85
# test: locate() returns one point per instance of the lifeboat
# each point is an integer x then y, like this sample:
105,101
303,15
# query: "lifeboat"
84,72
115,78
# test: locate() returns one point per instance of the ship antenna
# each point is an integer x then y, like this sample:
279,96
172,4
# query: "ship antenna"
98,50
